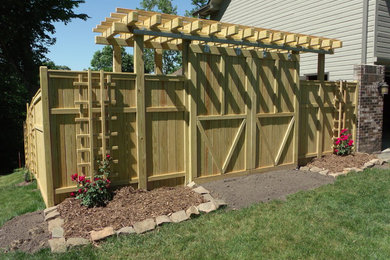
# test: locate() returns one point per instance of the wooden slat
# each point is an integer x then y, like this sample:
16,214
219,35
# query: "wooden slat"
233,146
284,141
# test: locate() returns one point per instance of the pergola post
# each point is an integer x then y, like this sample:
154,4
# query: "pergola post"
117,59
158,61
141,110
321,78
191,131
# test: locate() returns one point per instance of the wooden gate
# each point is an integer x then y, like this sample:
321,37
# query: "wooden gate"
245,117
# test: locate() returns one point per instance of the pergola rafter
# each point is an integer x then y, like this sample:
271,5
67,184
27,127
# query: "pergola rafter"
165,31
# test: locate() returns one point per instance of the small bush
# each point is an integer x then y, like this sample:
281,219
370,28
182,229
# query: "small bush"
94,192
343,144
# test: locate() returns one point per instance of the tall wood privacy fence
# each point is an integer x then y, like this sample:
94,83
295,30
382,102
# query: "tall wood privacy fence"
229,114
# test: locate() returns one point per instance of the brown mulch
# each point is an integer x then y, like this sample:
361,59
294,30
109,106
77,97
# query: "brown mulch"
127,207
335,163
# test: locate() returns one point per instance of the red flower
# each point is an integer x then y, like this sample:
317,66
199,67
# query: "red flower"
338,141
108,156
80,191
74,176
350,142
336,150
343,130
88,181
96,179
81,178
72,194
108,181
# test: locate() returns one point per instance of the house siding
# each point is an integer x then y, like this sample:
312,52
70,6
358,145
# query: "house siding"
339,19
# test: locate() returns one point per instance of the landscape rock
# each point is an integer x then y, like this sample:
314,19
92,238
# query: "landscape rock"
192,211
57,245
35,231
304,168
179,216
57,232
315,169
125,231
76,241
58,222
143,226
191,184
207,207
102,234
208,197
220,203
48,210
324,172
374,161
368,165
52,215
162,219
201,190
335,174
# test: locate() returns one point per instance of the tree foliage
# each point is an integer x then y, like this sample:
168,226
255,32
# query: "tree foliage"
196,5
102,60
26,32
172,60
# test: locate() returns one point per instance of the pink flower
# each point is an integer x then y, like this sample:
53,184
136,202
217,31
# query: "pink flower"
72,194
336,150
338,141
343,131
80,191
350,142
88,181
81,178
108,156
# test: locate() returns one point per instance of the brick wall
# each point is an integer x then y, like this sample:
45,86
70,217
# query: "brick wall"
370,108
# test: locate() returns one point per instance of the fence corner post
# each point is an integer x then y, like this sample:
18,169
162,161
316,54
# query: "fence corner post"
44,84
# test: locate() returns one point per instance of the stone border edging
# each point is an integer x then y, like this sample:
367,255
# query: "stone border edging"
58,243
345,171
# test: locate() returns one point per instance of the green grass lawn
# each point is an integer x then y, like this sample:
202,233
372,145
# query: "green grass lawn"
349,219
15,200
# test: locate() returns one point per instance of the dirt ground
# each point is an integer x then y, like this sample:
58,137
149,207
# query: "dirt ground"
27,233
243,191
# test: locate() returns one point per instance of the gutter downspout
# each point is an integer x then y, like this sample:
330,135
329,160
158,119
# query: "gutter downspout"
364,32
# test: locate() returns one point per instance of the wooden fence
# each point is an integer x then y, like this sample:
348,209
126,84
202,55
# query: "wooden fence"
229,114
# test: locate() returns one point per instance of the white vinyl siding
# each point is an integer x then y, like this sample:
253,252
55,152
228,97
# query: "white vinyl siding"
337,19
382,48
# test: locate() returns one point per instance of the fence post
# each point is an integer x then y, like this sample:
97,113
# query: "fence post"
297,106
321,78
192,110
141,111
251,114
117,59
43,74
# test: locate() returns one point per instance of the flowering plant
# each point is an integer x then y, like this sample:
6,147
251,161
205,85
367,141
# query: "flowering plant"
94,192
343,144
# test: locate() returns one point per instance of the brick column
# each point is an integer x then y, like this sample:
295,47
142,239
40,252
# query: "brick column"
370,108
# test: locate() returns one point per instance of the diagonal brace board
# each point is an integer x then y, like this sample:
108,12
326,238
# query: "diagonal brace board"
265,141
281,148
232,147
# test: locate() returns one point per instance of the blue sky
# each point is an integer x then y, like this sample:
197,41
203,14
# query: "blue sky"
76,42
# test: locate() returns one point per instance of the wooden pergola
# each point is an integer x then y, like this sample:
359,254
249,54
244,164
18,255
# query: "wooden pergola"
160,31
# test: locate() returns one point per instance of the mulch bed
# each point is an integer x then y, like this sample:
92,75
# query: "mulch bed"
336,163
127,207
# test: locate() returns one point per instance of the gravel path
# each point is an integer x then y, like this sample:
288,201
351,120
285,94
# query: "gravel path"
240,192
